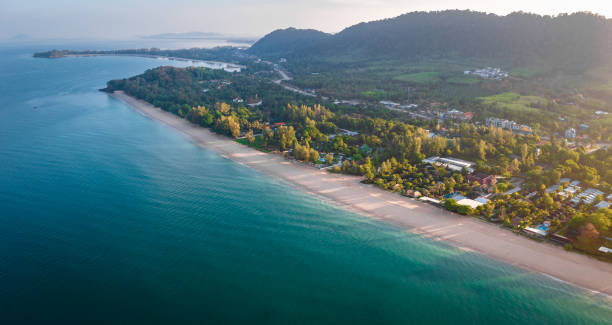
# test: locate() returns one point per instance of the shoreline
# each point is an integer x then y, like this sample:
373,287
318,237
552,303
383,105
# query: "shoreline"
221,65
345,191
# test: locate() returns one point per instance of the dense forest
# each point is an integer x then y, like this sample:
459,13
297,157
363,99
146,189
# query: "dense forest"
568,41
290,40
389,153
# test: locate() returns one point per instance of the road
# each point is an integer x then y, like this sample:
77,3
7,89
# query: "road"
285,77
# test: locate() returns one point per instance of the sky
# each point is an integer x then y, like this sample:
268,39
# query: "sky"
124,19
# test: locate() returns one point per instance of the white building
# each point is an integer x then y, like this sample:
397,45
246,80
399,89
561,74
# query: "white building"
389,103
602,205
489,73
453,164
604,249
509,125
471,203
570,133
588,196
535,232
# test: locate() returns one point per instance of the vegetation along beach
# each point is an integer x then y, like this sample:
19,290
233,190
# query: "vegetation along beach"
291,162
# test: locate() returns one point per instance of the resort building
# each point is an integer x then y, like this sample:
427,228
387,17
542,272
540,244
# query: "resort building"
483,179
453,164
560,239
471,203
513,190
343,132
253,102
488,73
457,115
509,125
552,188
535,232
602,205
455,196
482,200
430,200
587,197
605,249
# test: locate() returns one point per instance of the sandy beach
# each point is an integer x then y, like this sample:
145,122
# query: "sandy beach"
466,233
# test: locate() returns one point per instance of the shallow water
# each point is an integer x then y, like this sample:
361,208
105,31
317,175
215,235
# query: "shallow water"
107,216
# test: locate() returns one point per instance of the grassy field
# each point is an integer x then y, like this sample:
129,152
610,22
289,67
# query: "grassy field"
515,103
419,77
464,80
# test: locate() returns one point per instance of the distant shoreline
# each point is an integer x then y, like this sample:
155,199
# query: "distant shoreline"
465,233
218,64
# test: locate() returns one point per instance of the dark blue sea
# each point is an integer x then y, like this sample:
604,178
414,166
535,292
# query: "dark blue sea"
109,217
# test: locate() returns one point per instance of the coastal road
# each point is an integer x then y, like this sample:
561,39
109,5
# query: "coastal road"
285,77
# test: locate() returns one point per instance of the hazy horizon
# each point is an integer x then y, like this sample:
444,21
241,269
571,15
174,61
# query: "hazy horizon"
244,18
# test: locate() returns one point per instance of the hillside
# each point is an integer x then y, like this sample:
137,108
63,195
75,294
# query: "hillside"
288,41
518,39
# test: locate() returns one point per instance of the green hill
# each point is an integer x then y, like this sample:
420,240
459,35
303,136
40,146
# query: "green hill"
572,42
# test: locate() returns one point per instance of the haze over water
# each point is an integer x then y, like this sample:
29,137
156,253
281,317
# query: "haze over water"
109,217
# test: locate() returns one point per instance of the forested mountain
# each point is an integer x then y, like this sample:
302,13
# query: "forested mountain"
285,41
517,39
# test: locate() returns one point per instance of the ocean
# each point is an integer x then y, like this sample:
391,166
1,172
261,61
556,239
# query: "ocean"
109,217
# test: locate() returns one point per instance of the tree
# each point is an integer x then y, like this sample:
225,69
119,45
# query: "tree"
524,152
515,166
285,137
268,136
233,126
369,175
223,108
249,136
305,153
482,150
465,210
588,240
313,155
602,220
228,125
489,209
451,205
329,158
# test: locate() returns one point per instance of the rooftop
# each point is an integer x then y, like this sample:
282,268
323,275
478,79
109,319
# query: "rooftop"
428,199
605,249
471,203
588,196
536,231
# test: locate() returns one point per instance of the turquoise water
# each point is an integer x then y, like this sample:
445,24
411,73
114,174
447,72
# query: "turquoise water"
109,217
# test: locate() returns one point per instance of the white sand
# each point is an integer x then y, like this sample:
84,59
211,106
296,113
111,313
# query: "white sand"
463,232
